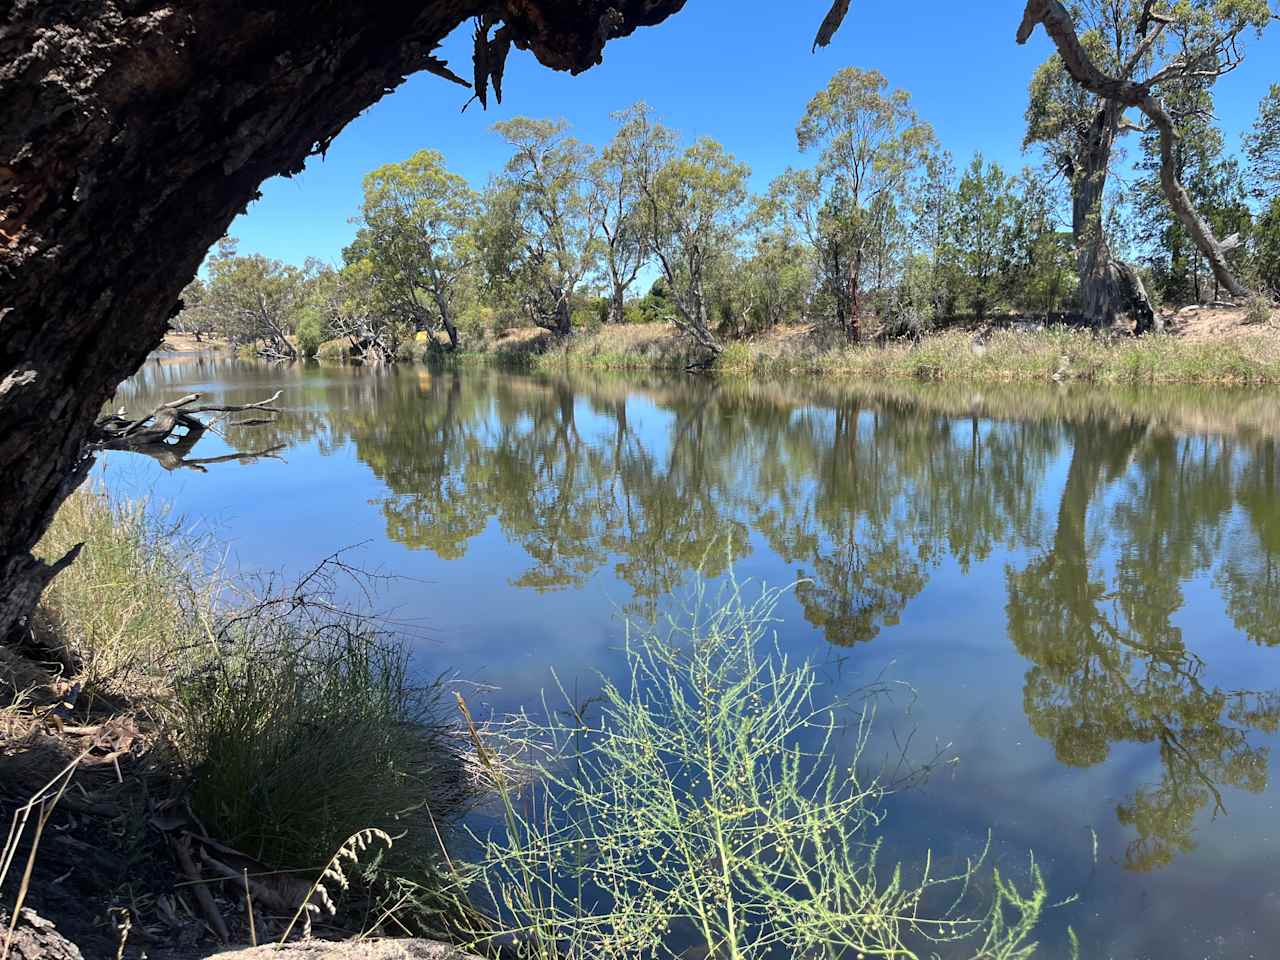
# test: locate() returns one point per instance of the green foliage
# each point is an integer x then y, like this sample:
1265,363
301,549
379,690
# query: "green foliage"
616,197
980,235
690,209
538,233
870,145
1266,251
414,248
1216,185
1262,147
255,300
304,728
717,800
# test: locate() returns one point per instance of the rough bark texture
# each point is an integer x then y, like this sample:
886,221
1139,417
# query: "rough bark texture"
35,938
1109,288
131,133
1058,24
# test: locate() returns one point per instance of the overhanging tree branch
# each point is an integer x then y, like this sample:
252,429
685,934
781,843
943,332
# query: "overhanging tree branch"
1057,22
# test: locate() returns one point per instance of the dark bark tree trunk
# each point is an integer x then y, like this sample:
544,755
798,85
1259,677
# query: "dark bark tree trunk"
1061,29
131,133
617,304
1109,288
854,331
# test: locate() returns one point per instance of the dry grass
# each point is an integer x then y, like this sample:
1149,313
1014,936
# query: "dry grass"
288,720
1205,346
1059,353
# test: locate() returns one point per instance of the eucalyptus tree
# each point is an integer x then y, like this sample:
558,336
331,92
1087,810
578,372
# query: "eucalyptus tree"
353,304
1262,150
982,225
414,242
1118,56
1262,147
615,203
932,212
1213,180
194,317
255,300
870,143
690,209
1039,273
540,224
771,283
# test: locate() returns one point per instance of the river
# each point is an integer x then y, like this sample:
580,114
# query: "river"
1071,597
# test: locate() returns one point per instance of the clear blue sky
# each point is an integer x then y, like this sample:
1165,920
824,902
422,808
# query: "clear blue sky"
737,70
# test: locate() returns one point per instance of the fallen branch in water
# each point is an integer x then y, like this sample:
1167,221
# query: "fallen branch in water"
154,433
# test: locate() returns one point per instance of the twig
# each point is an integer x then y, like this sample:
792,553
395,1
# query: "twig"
47,805
248,902
182,851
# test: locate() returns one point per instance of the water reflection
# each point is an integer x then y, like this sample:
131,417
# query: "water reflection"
1104,510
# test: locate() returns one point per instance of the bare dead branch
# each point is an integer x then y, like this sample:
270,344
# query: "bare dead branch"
1060,27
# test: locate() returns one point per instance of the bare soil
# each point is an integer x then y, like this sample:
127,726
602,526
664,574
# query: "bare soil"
187,343
1217,324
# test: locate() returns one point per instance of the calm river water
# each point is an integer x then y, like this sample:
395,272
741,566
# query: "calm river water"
1073,594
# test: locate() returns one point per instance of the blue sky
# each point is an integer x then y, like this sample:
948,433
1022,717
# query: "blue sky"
737,70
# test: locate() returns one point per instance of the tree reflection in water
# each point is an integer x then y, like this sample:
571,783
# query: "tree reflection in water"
864,494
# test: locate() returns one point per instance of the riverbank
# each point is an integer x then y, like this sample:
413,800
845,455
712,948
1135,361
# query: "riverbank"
1202,346
202,747
199,741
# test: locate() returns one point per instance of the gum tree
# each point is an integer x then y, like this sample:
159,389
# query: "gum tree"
541,233
870,144
414,239
615,202
1118,57
690,208
1262,150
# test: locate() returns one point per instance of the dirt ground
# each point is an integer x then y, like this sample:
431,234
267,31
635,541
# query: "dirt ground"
1216,324
187,343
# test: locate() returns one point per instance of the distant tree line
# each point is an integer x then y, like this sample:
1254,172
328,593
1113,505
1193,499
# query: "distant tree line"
880,234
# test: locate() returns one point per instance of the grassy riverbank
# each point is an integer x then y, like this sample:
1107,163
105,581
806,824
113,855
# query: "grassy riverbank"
1208,347
216,726
222,739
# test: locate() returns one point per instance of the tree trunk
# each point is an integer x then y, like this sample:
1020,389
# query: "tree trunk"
854,332
563,323
617,304
131,133
1109,288
1126,93
451,329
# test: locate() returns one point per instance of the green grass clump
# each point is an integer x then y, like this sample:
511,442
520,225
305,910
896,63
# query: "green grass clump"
704,809
127,606
292,717
305,728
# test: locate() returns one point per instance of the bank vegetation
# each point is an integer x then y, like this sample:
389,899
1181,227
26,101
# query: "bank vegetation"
877,234
245,761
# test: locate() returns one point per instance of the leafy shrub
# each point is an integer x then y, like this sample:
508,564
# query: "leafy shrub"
706,811
1257,309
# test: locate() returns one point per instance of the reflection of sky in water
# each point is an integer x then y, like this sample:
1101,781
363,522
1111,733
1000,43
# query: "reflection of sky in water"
885,485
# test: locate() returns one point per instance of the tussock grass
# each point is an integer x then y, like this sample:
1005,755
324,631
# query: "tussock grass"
293,718
1055,353
708,806
1005,356
620,347
129,606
